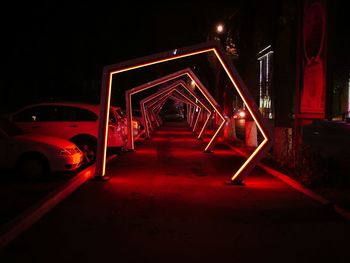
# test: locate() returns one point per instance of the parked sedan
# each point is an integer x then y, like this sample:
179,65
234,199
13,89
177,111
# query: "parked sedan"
34,155
136,124
72,121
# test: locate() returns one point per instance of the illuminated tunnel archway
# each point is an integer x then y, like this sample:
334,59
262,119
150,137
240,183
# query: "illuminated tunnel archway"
155,107
176,75
171,94
163,92
200,101
212,48
195,107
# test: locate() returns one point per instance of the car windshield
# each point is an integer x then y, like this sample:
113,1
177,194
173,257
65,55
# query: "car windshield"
112,117
9,128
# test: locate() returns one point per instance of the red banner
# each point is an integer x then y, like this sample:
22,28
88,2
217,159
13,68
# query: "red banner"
314,73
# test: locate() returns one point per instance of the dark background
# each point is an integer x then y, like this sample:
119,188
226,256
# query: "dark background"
56,50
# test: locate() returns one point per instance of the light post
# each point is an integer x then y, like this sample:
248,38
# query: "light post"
223,33
227,32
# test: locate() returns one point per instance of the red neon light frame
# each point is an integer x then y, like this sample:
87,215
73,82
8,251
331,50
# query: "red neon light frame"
229,69
159,100
171,95
191,113
146,116
185,72
200,109
152,84
166,90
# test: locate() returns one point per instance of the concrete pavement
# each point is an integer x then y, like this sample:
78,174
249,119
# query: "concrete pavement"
167,202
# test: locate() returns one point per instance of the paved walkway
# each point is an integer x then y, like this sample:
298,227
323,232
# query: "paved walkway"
167,202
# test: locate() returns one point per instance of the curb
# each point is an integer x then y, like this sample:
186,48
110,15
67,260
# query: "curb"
299,187
34,213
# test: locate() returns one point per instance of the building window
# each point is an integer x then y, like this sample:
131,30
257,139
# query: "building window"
265,81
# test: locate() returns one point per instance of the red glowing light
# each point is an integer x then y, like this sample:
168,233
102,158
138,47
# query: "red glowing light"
157,99
229,69
157,103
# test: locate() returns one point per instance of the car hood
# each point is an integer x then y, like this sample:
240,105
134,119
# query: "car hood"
48,140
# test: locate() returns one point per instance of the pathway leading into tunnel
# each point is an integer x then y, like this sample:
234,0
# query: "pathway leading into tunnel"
167,202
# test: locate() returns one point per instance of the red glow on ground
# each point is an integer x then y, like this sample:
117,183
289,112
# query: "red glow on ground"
171,160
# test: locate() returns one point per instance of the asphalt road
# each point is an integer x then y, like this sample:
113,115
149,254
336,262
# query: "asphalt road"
167,202
18,194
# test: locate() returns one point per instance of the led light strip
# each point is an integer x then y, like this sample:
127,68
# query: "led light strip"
106,93
164,94
266,138
213,103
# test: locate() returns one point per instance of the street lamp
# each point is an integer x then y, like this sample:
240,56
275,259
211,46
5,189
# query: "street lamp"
224,33
220,28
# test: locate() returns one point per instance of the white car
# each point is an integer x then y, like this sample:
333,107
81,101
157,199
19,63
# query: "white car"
76,122
35,155
136,124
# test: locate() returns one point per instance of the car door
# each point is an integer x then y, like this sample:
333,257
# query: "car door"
76,120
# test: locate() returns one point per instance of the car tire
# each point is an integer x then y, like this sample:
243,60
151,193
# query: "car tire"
89,149
33,166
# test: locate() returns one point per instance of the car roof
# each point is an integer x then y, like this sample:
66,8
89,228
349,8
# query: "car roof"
89,106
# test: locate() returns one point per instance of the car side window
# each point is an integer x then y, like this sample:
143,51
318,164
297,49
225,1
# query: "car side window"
37,114
77,114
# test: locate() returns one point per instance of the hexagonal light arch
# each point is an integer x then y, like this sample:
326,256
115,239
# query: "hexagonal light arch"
185,72
154,101
177,84
200,111
168,92
177,95
201,102
208,47
155,106
150,107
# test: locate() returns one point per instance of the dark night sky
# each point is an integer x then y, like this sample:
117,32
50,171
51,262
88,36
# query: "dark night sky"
56,50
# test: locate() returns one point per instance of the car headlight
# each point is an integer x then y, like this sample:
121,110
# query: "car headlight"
68,151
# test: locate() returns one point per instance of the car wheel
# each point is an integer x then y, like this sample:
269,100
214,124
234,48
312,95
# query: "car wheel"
88,147
33,166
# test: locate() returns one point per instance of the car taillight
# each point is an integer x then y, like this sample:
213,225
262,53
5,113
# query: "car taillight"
69,151
135,125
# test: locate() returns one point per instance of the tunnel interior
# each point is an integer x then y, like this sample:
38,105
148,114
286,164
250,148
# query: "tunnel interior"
191,103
